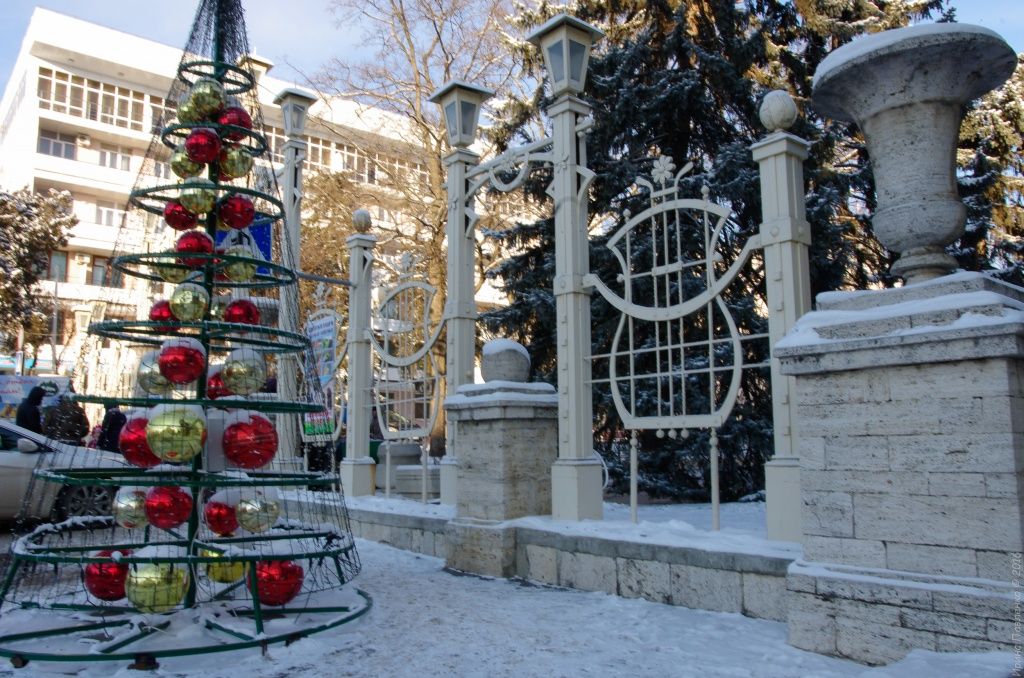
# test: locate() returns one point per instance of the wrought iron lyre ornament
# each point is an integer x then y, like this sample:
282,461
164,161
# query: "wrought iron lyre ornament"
676,337
407,375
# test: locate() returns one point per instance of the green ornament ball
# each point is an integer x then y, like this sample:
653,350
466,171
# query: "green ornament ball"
198,196
206,97
235,162
182,166
187,114
239,271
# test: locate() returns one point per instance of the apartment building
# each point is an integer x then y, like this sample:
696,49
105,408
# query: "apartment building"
78,114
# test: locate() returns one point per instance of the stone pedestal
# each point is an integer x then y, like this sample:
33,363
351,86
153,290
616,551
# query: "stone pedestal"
911,412
357,476
507,432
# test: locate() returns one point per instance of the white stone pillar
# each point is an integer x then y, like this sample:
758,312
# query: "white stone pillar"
294,105
576,477
357,468
460,305
785,235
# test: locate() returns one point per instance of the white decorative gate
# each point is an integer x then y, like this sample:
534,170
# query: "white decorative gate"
676,360
406,374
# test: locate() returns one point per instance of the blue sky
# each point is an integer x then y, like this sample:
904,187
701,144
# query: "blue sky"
302,34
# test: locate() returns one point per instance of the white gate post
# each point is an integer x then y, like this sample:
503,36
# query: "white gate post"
786,236
460,104
460,305
576,477
294,105
357,468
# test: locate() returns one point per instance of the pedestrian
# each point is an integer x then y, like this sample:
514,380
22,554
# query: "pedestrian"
66,423
29,415
110,429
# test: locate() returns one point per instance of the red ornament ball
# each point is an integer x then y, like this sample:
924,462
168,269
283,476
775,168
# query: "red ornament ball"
167,507
250,444
161,312
215,387
236,211
133,445
237,116
242,311
177,217
221,518
106,580
181,364
194,242
202,145
278,581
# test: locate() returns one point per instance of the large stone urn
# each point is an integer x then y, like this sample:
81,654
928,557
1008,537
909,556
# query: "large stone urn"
906,90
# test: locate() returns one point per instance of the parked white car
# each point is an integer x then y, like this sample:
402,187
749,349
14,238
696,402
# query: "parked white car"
19,456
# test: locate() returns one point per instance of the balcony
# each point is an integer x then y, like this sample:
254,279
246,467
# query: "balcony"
74,293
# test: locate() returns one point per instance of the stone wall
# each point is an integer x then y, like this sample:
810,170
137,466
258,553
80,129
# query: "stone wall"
910,408
753,585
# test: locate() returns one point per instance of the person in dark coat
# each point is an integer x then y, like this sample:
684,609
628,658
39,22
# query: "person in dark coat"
67,422
110,429
29,415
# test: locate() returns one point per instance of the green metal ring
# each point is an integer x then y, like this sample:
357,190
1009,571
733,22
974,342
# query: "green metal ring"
160,195
229,335
190,71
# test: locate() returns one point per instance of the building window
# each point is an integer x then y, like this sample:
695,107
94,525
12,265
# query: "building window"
98,271
57,144
115,157
318,153
85,98
108,214
162,169
58,268
275,143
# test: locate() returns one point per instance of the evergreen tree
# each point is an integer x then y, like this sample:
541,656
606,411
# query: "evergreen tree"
684,78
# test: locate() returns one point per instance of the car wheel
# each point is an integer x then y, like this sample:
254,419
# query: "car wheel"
83,500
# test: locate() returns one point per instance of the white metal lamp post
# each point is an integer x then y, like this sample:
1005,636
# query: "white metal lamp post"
460,103
295,104
576,477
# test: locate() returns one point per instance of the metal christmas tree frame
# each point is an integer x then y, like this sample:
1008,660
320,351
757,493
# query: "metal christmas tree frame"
208,546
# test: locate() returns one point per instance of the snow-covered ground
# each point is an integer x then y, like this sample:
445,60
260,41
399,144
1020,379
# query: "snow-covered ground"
427,622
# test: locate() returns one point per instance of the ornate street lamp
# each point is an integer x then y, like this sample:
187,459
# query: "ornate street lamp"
565,42
460,102
294,105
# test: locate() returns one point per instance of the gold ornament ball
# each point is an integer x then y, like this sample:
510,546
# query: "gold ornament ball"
257,514
169,273
176,434
148,375
235,162
187,114
206,97
244,375
223,573
239,271
129,508
156,587
182,167
198,196
189,302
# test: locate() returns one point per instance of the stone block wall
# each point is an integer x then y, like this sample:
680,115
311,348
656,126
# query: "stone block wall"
919,470
753,585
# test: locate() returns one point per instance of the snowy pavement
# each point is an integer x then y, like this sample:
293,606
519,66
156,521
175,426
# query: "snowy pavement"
427,622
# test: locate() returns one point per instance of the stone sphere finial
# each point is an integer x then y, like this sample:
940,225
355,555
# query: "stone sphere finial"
362,221
778,111
505,360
